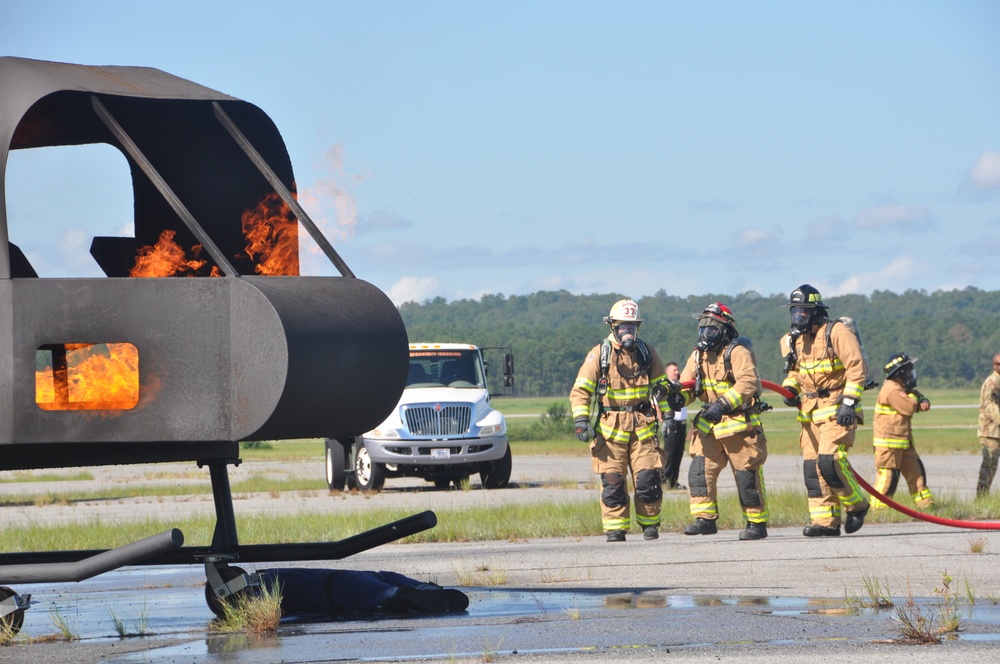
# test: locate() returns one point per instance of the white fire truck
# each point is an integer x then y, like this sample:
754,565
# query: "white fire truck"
443,429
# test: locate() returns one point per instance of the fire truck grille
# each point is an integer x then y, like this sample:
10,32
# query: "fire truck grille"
448,421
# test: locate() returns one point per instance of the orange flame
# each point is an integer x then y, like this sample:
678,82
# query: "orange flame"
272,234
166,259
92,377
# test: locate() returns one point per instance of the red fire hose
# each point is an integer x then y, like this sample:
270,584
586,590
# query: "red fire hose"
930,518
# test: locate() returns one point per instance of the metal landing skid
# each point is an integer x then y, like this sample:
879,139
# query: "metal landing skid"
224,582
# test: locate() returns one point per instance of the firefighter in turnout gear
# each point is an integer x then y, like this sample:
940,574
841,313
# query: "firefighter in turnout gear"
612,410
989,429
895,454
727,430
826,374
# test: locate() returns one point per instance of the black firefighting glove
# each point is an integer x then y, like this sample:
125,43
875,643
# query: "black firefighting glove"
714,411
845,412
669,425
793,401
920,398
582,429
675,397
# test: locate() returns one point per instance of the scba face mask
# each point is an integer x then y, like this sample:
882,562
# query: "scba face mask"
709,337
625,334
802,319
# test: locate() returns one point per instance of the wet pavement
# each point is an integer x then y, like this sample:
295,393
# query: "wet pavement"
562,600
679,598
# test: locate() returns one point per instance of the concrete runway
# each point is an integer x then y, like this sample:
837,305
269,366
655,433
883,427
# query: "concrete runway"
685,599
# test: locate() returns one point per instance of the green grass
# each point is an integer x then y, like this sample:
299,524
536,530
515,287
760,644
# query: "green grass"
509,522
253,484
32,476
938,431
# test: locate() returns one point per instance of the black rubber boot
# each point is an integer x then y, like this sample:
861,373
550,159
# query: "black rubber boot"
820,531
616,535
650,533
702,527
754,531
855,520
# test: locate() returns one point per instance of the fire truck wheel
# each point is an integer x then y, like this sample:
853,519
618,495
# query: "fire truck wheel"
369,475
214,601
336,465
12,622
498,474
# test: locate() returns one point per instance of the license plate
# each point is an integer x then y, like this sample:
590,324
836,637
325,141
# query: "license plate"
440,453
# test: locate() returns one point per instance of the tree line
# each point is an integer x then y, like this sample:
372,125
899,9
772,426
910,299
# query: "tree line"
953,333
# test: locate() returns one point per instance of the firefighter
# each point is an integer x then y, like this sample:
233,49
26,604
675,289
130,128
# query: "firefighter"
895,454
727,430
826,374
612,411
989,429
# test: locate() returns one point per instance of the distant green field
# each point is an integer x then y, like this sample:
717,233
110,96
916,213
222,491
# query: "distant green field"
949,427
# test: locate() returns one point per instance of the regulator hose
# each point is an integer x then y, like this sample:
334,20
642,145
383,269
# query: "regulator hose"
930,518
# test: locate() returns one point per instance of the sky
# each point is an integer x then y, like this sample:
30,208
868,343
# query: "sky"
456,149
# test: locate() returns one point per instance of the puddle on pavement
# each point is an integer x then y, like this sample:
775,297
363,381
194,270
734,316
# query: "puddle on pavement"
169,602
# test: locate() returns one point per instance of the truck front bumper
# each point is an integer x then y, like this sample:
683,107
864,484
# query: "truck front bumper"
436,452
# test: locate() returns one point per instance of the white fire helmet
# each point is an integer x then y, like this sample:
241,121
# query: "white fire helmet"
624,311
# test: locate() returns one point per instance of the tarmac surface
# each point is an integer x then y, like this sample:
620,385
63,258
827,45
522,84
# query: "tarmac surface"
679,598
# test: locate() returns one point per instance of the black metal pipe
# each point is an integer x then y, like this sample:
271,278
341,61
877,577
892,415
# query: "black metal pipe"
281,190
168,194
225,537
253,553
90,566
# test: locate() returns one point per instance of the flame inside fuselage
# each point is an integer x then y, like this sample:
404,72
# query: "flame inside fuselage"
102,376
105,376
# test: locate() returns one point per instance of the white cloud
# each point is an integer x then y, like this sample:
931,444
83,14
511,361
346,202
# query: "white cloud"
898,275
895,217
414,289
985,173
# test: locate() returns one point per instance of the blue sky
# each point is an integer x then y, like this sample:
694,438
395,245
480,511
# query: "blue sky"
456,149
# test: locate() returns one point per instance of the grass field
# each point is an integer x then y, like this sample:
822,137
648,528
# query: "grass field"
949,427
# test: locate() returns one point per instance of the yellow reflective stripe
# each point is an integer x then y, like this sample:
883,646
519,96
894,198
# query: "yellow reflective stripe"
923,494
758,514
728,427
581,410
825,413
733,398
884,409
615,435
791,383
622,435
616,524
704,510
585,383
824,512
824,366
716,385
855,497
644,521
646,432
853,390
891,443
629,394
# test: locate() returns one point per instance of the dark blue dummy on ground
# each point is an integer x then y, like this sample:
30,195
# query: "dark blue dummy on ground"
350,592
